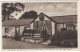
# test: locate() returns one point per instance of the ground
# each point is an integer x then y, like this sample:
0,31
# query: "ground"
8,43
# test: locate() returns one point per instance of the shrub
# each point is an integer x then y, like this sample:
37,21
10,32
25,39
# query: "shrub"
64,35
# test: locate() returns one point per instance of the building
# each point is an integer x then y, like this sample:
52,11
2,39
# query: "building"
11,27
53,24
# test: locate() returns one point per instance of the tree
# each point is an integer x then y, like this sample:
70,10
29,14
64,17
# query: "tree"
8,8
30,14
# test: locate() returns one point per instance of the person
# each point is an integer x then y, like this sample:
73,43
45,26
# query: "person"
44,33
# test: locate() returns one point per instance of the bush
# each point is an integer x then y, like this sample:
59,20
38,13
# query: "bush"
64,35
65,38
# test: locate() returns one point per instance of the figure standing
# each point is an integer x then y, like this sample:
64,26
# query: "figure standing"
44,33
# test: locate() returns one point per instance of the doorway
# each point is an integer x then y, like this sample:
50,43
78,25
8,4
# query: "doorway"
17,32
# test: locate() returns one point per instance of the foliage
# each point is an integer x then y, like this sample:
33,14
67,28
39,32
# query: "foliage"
8,8
30,14
64,35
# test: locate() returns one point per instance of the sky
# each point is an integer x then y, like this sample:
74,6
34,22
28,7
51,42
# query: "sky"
49,8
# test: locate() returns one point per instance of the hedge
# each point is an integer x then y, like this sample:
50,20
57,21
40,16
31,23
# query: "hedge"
64,35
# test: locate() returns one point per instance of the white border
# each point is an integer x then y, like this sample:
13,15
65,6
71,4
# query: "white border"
42,0
44,50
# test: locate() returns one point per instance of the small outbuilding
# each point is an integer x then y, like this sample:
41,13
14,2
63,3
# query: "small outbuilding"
13,27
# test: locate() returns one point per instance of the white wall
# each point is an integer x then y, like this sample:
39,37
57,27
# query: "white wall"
31,25
53,27
21,29
11,31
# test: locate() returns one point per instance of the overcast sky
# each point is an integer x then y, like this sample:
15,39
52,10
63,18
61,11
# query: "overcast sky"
50,8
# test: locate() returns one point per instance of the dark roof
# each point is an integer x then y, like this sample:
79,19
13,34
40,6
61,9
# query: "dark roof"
65,19
16,22
61,19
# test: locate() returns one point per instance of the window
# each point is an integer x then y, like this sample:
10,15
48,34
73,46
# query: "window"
70,27
6,30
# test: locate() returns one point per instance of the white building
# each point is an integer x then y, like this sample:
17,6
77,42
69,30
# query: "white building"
10,27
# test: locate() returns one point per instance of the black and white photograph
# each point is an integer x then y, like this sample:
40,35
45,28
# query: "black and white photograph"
39,25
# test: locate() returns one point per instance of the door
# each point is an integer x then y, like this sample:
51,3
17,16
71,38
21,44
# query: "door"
17,31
